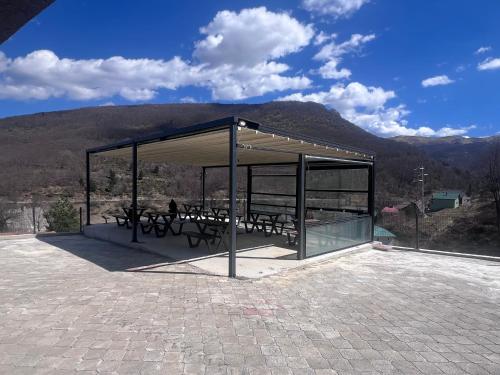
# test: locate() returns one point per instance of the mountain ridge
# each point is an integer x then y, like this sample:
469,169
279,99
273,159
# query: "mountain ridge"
455,139
47,149
468,153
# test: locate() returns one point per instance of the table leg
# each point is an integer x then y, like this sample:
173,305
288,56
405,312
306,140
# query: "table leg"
255,217
274,224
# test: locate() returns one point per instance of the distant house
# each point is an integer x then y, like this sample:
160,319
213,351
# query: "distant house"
383,235
394,209
446,199
397,214
390,210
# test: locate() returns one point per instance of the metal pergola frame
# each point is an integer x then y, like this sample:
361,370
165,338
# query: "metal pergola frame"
232,124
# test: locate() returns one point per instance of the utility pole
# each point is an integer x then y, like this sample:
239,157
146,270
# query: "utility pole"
420,178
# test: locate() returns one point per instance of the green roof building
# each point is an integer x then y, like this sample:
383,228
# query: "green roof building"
445,199
382,235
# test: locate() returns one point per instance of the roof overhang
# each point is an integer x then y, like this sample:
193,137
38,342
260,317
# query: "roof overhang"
15,13
208,145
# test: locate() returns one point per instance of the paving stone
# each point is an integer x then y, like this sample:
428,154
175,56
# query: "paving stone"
317,363
94,354
351,354
297,362
449,368
130,367
433,357
370,313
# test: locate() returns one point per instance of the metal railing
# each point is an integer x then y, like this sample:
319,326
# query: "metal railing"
451,230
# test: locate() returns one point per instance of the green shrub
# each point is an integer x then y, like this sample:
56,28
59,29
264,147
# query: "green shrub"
62,217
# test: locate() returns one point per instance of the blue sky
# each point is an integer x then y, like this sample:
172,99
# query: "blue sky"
427,68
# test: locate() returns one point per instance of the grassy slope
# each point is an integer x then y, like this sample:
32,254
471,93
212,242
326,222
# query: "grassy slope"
47,149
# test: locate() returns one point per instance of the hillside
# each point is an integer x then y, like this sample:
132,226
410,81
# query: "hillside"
460,152
45,151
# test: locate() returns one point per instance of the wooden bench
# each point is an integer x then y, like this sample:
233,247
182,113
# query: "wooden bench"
207,238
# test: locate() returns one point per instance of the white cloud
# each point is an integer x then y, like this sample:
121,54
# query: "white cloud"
332,50
366,107
489,64
322,37
481,50
188,99
437,81
234,61
3,61
336,8
449,131
42,75
251,37
330,71
107,104
344,98
230,82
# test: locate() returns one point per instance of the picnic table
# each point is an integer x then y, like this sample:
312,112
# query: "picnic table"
217,228
220,211
129,211
162,227
272,220
127,219
191,210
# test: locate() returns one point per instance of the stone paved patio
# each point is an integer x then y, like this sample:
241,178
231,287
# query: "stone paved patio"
69,305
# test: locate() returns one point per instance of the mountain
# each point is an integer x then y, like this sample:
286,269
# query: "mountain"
459,152
44,152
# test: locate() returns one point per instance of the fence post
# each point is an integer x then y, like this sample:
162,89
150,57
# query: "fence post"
417,244
87,187
81,216
34,219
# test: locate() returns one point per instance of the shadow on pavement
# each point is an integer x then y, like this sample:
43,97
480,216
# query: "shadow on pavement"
114,258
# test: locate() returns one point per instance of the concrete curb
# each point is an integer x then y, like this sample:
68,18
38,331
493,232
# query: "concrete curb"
8,237
319,259
448,253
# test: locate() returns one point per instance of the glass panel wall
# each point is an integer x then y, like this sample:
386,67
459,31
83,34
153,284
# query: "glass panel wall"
336,197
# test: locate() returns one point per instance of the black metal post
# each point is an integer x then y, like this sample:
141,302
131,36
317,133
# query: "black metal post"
233,164
81,221
371,196
134,192
417,242
87,160
34,219
203,173
297,192
301,209
249,192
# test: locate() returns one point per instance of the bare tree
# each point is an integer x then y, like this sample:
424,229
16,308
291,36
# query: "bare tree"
5,215
493,178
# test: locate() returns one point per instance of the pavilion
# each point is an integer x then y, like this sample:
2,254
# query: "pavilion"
330,181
